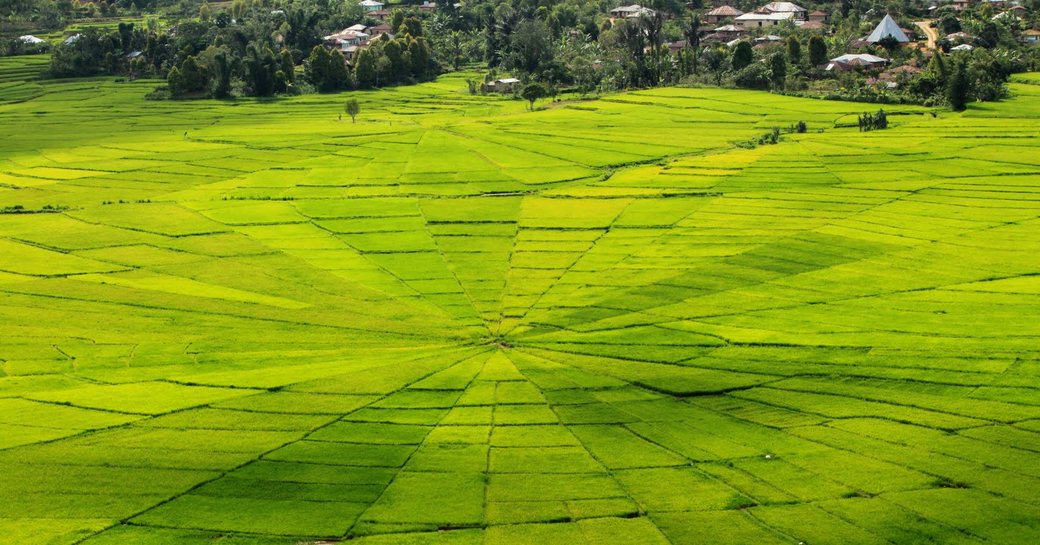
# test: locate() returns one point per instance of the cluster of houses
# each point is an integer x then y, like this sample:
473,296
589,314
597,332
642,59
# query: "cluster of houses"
355,38
729,25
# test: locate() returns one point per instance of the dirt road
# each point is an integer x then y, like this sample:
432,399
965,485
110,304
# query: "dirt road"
926,27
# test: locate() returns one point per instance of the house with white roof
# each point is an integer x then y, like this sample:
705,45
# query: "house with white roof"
887,28
347,41
629,12
762,20
852,61
371,5
798,13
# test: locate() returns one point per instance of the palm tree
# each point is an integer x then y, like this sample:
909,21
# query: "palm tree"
693,39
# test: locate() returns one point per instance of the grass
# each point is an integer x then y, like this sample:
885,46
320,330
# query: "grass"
456,322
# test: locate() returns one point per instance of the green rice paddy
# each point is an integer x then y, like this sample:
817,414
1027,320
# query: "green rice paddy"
457,322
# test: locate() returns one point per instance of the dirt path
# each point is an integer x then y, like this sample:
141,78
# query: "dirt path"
926,27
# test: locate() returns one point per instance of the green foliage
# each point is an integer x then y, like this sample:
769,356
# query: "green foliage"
794,49
327,70
777,70
365,70
817,51
755,76
873,122
532,92
742,55
353,108
958,90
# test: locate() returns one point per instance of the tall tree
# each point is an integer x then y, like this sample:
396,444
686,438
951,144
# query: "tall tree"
365,69
742,55
715,62
817,51
691,32
957,90
529,47
794,49
777,70
286,65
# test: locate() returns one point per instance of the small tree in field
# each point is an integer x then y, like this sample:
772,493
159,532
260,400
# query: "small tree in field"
352,108
533,92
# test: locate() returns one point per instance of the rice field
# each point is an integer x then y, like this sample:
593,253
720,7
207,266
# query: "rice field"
457,322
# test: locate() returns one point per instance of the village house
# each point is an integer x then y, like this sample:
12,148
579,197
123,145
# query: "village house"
763,20
503,85
1031,37
887,29
819,17
960,5
379,30
371,5
727,33
629,12
895,77
379,14
348,41
428,7
853,61
797,12
722,13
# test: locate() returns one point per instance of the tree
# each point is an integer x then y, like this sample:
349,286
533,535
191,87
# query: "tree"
753,76
794,49
339,75
455,46
715,61
194,77
937,66
777,70
529,47
691,32
261,69
287,66
742,55
532,92
957,90
174,81
222,68
352,108
412,26
396,51
365,69
420,57
396,20
817,51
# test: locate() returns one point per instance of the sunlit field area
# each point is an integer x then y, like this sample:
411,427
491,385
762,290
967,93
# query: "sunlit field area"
618,321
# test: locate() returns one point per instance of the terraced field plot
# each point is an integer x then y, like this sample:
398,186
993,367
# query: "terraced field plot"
457,322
